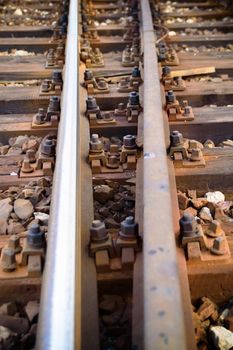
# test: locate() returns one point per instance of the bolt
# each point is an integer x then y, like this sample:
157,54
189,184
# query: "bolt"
98,231
88,75
108,116
136,73
187,110
170,97
166,70
102,84
113,161
219,246
60,50
63,30
40,117
188,225
26,166
196,154
14,244
48,147
95,143
57,76
215,229
91,103
129,228
114,148
35,237
45,86
123,83
129,141
121,106
176,138
51,57
31,155
134,98
54,104
8,262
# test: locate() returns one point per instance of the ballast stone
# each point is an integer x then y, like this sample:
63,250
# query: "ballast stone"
23,208
222,337
215,197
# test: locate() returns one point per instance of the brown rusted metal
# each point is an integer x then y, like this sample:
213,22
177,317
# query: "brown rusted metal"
162,302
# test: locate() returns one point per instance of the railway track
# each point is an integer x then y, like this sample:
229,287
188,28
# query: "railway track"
116,176
174,120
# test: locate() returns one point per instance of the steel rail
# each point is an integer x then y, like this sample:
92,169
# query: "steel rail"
164,325
57,313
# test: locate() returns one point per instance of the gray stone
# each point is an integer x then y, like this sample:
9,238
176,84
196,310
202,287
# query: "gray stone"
8,309
222,337
14,228
209,144
23,208
5,208
20,140
32,310
3,226
42,217
215,197
205,214
103,193
5,333
111,223
4,149
14,151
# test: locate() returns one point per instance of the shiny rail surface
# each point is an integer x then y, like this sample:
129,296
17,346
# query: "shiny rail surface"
57,314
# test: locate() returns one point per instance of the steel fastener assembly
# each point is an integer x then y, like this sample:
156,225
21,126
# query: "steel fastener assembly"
35,237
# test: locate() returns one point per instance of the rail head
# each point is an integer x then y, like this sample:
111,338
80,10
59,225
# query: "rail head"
57,313
163,311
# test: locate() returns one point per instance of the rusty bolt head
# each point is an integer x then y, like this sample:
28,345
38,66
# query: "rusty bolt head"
41,116
219,246
98,231
8,262
54,104
35,238
123,83
57,76
129,228
102,84
26,166
14,244
129,141
48,147
176,138
91,103
136,73
196,154
188,225
170,97
31,155
215,229
95,143
88,75
45,86
114,148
